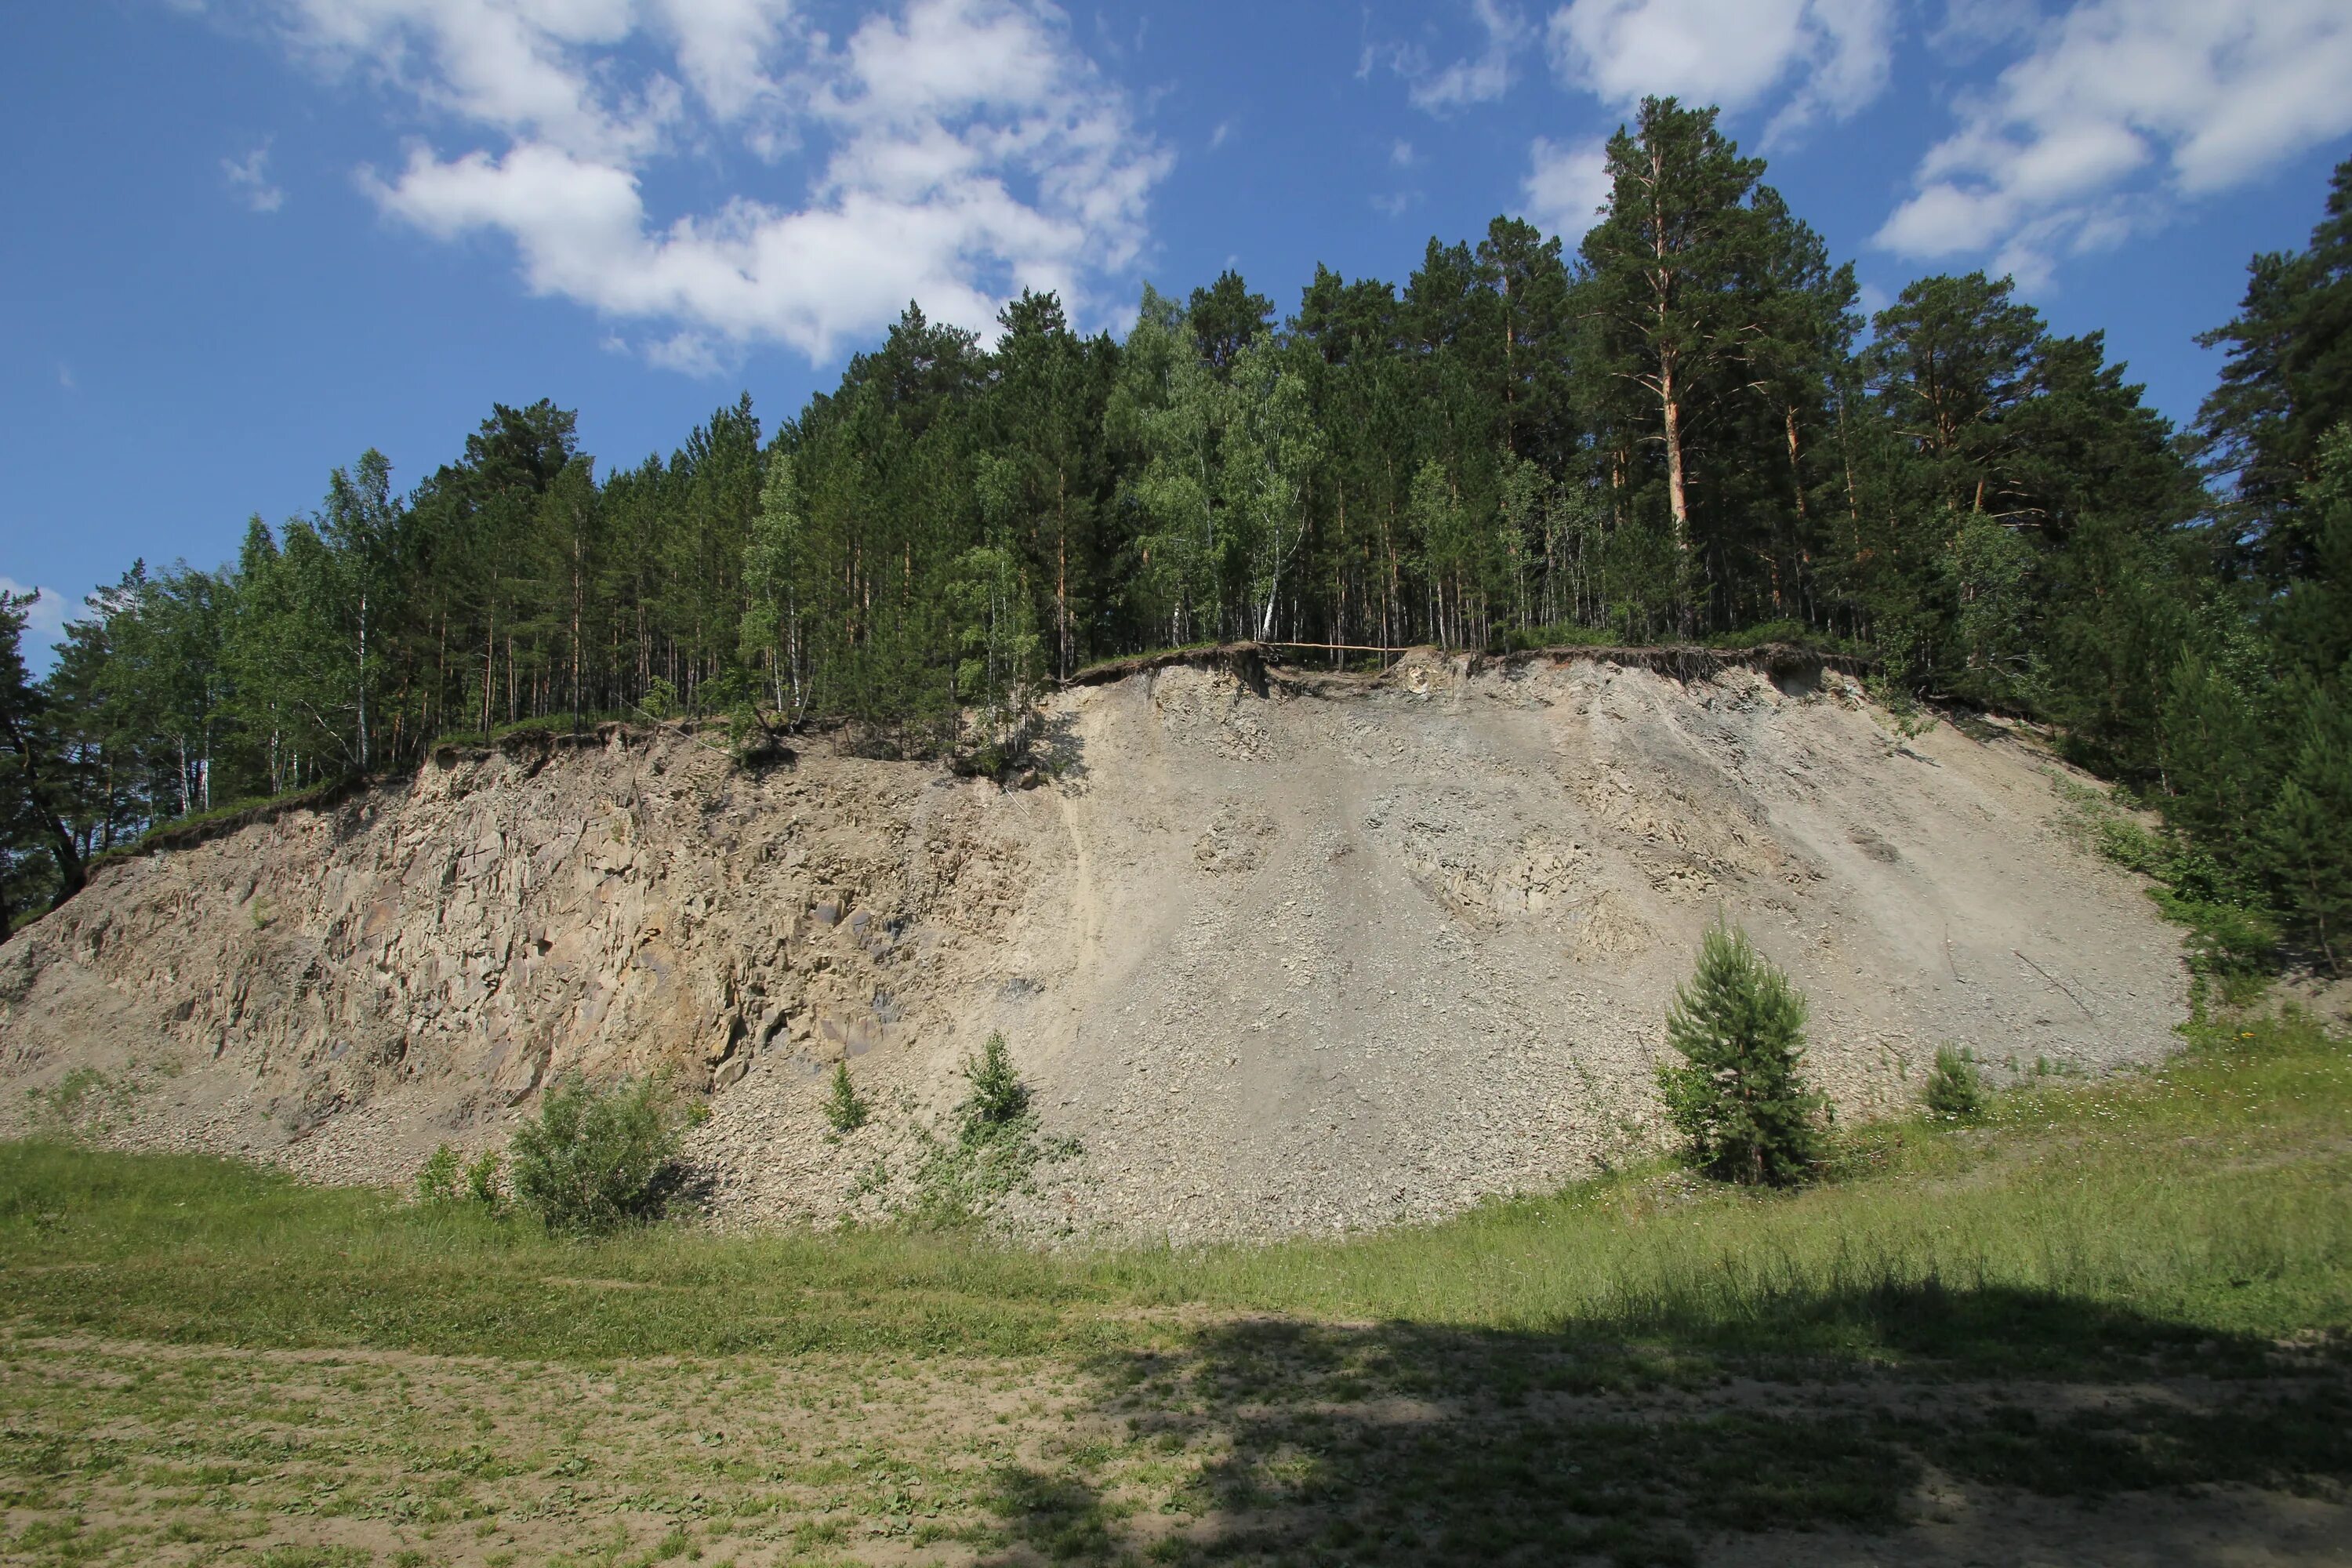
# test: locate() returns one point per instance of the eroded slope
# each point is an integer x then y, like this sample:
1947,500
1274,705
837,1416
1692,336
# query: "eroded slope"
1301,953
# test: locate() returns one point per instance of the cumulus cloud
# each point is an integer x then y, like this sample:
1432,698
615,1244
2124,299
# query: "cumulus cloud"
955,151
1813,56
2116,113
1566,187
248,180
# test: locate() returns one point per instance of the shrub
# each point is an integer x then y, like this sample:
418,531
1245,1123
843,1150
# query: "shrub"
593,1157
845,1109
436,1180
482,1179
1740,1095
442,1182
1956,1089
996,1149
998,1097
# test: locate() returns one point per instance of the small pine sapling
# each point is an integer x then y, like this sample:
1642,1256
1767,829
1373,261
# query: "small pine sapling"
998,1097
845,1109
1955,1088
1739,1094
592,1158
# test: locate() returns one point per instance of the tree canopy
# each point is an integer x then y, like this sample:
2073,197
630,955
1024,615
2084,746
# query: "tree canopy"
1683,429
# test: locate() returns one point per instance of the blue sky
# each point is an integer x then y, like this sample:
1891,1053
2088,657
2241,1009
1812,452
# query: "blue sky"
251,239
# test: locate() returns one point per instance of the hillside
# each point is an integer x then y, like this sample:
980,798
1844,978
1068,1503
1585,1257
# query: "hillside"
1283,951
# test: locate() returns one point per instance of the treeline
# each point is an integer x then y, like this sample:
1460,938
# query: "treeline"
1685,431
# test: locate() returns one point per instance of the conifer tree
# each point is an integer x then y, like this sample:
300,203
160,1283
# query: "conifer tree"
2310,826
1661,274
1739,1094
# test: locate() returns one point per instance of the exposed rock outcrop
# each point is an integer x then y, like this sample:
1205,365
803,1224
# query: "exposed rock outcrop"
1283,951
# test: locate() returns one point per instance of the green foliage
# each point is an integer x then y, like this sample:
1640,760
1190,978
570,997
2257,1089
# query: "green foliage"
446,1182
2201,1200
2233,936
1738,1096
591,1159
996,1097
995,1152
845,1108
438,1178
482,1186
1670,435
660,700
2309,826
1956,1087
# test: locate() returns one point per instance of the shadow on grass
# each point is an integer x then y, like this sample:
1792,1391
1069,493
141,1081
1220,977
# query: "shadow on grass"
1397,1444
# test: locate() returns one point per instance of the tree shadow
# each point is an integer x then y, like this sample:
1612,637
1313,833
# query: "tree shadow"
1652,1440
1059,753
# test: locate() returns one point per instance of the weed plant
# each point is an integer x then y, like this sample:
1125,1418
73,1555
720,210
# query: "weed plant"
995,1152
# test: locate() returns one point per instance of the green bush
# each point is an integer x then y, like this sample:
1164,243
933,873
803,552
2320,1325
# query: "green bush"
1955,1088
592,1158
442,1181
998,1097
1739,1096
996,1149
845,1108
436,1180
482,1179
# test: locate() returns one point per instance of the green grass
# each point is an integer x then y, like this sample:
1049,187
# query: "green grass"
179,831
1540,1375
2206,1197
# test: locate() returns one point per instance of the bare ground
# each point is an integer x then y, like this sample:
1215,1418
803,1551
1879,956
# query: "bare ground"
1283,953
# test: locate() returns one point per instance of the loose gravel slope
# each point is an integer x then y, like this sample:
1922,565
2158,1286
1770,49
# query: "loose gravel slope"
1282,952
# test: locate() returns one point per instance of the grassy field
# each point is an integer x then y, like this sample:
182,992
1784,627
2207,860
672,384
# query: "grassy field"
2134,1290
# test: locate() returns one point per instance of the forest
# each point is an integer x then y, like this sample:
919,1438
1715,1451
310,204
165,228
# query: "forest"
1686,430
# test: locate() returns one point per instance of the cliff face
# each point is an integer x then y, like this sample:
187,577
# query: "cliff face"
1287,954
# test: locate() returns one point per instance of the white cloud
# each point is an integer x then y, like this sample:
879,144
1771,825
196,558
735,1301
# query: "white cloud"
957,151
1566,187
1217,137
1479,79
2117,111
723,47
528,68
44,617
66,377
248,178
1403,156
1827,56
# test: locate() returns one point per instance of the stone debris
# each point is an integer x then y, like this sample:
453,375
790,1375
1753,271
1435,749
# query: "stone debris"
1297,953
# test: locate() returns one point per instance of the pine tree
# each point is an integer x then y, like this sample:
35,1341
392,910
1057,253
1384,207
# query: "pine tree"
1739,1094
2310,826
2287,383
31,793
1662,277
